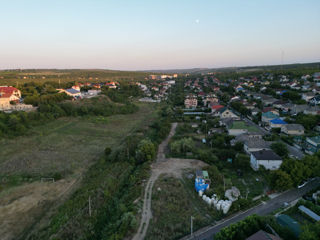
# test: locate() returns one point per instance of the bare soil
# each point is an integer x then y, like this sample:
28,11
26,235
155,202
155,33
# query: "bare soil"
22,205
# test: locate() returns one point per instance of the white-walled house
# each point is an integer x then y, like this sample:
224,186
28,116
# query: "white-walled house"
267,158
293,129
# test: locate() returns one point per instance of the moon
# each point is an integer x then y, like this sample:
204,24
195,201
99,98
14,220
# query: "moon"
197,21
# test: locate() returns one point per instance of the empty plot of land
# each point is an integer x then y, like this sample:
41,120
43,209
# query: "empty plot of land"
67,145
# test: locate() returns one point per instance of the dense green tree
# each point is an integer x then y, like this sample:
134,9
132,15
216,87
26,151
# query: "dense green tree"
280,148
280,180
242,161
146,151
310,232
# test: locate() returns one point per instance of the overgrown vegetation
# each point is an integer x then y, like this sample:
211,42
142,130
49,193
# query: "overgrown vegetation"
251,225
113,184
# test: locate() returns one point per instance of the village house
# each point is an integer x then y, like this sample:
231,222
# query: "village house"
315,100
227,113
308,96
215,109
267,158
267,116
293,129
262,235
210,99
70,92
191,102
313,110
8,95
312,144
255,111
255,144
277,123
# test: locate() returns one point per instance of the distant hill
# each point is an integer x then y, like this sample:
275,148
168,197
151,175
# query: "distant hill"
241,69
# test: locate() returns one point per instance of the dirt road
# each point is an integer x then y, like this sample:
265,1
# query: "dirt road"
163,165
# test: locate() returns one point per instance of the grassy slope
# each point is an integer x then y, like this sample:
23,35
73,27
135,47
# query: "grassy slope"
68,143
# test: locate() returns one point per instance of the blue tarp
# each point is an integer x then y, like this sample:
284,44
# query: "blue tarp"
200,185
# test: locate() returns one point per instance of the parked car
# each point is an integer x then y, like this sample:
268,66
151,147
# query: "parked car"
302,184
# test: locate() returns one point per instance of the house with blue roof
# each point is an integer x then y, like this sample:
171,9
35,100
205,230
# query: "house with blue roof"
71,92
267,116
277,123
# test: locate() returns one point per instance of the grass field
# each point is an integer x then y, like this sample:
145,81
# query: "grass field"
67,146
18,77
243,125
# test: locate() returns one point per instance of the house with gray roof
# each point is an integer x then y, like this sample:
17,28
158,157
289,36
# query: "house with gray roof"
255,144
267,158
293,129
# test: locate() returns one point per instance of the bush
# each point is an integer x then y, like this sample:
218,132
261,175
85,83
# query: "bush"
107,151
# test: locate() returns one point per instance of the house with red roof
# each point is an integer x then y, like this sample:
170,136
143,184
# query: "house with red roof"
215,108
7,95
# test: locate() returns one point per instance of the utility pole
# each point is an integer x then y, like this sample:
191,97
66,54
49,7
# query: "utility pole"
224,183
191,226
89,206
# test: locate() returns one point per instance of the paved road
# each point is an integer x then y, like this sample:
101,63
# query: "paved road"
262,210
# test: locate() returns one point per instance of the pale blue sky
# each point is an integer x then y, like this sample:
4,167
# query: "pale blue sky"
157,34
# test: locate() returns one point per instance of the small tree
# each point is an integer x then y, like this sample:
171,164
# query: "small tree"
146,151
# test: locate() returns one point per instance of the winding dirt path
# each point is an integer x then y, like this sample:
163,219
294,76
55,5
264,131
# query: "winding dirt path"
172,166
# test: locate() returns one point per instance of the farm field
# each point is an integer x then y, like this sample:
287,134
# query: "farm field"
64,149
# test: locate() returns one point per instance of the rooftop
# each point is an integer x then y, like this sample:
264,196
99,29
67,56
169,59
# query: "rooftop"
294,126
266,155
277,121
262,235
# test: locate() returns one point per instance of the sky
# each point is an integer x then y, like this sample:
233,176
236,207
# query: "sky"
157,34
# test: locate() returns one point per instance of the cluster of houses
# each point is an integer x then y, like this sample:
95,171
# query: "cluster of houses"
162,77
156,91
269,110
95,89
11,100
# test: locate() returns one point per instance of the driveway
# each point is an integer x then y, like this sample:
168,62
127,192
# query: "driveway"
163,165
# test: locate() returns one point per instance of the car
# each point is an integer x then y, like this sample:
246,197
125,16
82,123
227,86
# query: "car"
302,184
285,205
